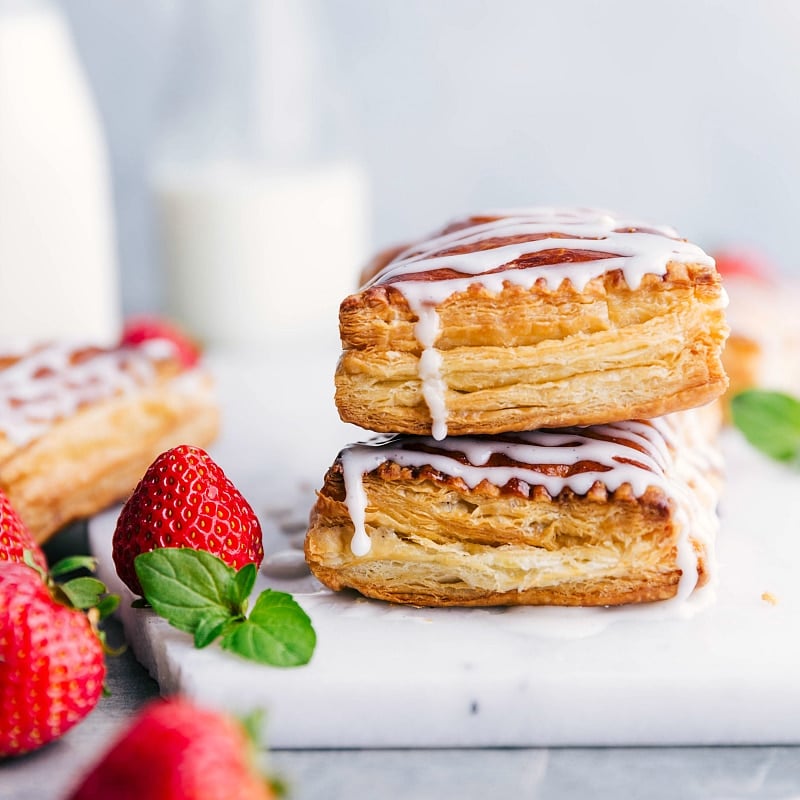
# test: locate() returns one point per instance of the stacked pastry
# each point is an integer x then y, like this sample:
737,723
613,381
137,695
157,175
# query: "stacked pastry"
536,369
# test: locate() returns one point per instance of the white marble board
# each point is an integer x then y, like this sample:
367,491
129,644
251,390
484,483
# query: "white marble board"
385,676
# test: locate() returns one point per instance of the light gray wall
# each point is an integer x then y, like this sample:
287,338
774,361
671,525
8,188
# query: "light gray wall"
685,111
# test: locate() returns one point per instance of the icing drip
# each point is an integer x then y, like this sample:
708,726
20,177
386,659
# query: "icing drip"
695,460
490,250
639,454
430,364
52,382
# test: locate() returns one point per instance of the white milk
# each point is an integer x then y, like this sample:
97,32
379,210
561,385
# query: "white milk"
254,257
57,259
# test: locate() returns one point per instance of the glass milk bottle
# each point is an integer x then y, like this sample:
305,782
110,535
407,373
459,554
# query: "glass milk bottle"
261,214
57,254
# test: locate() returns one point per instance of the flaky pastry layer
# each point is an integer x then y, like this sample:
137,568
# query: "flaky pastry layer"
434,541
528,358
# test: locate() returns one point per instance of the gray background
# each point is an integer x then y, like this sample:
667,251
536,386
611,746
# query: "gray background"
684,111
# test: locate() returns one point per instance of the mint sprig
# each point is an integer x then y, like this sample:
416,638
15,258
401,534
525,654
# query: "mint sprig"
770,421
200,594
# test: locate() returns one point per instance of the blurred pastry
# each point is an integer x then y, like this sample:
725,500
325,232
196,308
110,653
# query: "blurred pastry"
80,424
512,321
603,515
763,350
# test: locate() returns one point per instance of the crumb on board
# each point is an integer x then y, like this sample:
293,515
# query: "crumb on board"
770,598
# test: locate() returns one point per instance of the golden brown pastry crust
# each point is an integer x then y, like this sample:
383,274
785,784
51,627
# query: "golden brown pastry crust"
94,457
437,542
424,556
538,357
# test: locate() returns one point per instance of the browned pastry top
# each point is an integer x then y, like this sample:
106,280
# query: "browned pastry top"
533,239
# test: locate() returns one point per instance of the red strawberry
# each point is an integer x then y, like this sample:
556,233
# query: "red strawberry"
742,263
15,538
175,750
51,662
144,328
186,500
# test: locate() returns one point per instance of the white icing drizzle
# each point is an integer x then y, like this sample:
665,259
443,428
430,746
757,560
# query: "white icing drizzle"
639,454
634,247
695,460
51,382
430,365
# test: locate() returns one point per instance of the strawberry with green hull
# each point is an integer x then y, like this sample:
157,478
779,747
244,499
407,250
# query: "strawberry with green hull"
52,664
186,500
175,750
190,544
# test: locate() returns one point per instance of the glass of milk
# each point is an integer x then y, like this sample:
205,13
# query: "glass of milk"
58,270
261,213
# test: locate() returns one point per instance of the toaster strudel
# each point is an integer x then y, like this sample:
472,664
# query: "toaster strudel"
602,515
512,321
80,424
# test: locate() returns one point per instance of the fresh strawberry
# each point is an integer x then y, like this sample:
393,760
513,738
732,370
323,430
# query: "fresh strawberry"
15,538
186,500
51,662
175,750
743,263
145,328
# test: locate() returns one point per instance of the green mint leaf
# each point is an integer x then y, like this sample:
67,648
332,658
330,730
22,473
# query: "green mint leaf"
277,632
243,583
108,605
83,592
210,627
184,585
72,564
770,421
198,593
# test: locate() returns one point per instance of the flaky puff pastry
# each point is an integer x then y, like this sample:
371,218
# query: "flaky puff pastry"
606,515
532,319
80,425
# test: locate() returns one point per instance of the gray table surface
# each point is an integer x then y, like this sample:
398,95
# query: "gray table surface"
772,773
